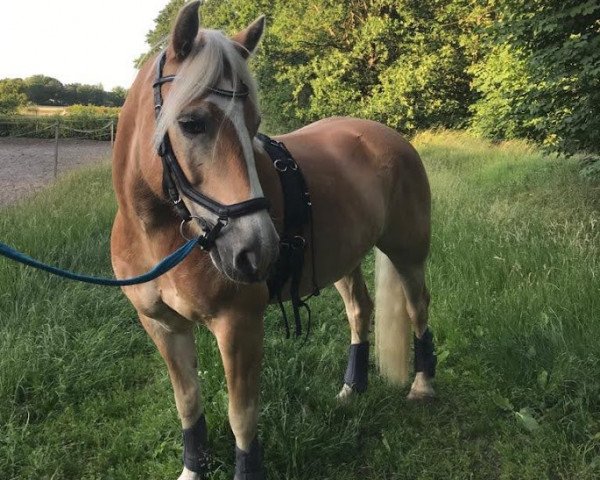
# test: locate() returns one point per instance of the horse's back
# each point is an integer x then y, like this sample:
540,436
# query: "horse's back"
367,185
350,147
344,132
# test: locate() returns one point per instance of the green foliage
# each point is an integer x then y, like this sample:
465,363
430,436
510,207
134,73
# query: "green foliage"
12,96
48,91
92,111
590,168
504,82
509,69
116,97
81,94
84,94
397,62
543,75
43,90
81,121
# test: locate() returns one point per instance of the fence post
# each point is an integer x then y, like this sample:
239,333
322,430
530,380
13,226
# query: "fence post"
112,134
55,150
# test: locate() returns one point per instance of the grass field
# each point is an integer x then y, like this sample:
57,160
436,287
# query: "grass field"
515,282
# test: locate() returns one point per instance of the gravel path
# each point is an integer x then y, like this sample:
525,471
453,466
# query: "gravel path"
27,164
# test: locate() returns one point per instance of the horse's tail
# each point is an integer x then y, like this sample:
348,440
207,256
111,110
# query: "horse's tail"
392,324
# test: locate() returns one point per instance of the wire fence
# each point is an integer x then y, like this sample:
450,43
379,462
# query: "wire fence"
91,127
61,131
34,152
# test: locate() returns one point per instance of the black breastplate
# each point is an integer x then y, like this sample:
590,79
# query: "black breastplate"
297,222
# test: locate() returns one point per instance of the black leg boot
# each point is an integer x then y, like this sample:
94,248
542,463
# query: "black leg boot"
196,457
249,465
357,372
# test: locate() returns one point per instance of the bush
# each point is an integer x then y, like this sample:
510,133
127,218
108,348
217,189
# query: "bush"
503,80
92,111
11,96
590,168
396,61
542,78
511,68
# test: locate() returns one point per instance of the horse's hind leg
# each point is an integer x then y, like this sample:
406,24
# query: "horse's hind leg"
176,344
412,279
359,308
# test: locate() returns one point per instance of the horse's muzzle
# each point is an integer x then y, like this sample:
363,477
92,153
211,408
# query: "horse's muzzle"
247,248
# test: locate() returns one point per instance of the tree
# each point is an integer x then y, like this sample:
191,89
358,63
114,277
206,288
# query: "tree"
506,68
91,95
541,80
395,61
116,97
11,96
43,90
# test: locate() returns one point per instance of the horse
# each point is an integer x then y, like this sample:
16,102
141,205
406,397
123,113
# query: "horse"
197,105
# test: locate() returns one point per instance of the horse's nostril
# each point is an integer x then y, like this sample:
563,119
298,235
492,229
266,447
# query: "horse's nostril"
246,262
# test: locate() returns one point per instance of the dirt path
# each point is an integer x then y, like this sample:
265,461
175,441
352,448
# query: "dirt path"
27,164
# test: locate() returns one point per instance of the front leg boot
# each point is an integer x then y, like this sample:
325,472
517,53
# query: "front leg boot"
196,457
249,465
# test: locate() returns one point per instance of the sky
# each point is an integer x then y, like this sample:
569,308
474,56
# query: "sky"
75,41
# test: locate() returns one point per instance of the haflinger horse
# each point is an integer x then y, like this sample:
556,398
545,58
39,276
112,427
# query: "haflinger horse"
368,188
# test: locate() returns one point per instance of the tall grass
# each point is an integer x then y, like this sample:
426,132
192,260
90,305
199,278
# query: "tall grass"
514,275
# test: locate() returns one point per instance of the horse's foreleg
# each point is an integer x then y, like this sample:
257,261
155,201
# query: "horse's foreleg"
359,308
175,341
240,342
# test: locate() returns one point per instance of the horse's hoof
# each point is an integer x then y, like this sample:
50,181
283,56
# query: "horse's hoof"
423,397
189,475
250,476
346,393
421,390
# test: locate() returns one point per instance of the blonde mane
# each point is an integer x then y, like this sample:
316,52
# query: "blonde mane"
201,70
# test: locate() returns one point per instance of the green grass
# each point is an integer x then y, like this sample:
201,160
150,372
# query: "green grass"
515,281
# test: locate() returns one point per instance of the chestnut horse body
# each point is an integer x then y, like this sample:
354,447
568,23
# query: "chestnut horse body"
368,188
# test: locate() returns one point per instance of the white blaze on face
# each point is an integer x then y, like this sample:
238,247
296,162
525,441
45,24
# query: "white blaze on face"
233,109
256,230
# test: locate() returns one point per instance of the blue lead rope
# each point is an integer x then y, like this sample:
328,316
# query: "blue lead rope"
159,269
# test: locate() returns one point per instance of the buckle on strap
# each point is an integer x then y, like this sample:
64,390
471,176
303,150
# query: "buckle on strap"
207,240
283,165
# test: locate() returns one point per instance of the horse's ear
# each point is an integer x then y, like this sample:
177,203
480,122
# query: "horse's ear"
185,30
250,36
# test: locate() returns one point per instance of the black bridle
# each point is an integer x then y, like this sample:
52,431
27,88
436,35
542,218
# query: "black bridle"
176,184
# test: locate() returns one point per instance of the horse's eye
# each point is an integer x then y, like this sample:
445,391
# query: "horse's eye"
193,126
